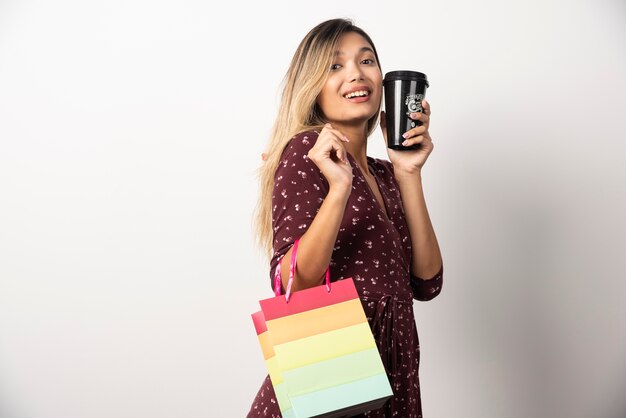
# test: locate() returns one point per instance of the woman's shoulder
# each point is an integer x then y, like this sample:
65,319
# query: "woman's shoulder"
294,160
301,143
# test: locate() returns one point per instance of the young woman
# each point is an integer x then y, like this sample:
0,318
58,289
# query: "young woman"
364,217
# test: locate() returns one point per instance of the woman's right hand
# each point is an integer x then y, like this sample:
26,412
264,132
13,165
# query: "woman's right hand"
331,157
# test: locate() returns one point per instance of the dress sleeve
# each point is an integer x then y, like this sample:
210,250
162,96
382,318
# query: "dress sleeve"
299,190
425,290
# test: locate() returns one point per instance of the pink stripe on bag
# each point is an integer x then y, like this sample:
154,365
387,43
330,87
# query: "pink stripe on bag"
259,322
307,299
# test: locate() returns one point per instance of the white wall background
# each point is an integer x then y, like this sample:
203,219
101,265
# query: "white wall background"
129,136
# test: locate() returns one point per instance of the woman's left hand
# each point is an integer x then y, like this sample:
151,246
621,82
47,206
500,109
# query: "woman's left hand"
410,162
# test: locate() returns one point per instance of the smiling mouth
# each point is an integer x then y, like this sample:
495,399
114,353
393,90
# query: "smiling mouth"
358,93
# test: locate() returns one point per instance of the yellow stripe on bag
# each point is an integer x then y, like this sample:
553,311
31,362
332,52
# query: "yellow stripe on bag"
324,346
316,321
265,341
274,371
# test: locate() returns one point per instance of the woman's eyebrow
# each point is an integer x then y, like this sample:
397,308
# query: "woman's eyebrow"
363,49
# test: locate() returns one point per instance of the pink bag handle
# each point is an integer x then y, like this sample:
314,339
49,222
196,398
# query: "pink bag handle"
277,280
292,270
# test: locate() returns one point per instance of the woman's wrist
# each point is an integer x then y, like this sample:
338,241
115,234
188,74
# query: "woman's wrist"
339,192
406,177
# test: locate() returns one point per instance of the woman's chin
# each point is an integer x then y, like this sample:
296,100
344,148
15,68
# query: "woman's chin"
356,118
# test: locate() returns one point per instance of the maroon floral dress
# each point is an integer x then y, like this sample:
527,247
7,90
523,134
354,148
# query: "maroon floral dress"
374,248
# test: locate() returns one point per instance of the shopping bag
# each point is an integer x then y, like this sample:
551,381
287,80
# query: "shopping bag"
324,361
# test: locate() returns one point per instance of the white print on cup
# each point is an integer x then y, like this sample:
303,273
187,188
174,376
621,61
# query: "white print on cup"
414,103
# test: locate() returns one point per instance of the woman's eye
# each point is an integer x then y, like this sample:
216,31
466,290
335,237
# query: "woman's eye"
335,67
367,61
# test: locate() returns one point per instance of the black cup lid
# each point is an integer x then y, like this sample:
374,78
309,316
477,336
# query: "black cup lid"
405,75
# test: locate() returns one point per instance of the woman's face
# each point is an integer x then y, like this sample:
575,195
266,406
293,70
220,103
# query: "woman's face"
353,90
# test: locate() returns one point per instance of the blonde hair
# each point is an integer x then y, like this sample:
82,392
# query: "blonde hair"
299,111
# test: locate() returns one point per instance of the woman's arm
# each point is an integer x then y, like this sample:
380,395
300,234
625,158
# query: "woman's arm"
426,256
407,167
316,244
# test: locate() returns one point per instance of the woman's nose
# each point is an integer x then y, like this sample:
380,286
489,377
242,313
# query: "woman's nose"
355,73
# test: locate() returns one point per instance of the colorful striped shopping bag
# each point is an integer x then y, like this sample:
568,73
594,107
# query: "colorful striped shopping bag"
323,360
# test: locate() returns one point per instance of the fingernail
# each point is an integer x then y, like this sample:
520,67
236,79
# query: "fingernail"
405,135
346,138
405,143
414,115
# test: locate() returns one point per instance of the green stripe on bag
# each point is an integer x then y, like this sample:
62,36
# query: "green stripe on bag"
333,372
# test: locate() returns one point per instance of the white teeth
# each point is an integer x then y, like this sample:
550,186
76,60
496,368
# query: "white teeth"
358,93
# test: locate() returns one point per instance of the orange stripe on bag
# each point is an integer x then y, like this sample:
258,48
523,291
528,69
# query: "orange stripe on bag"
316,321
